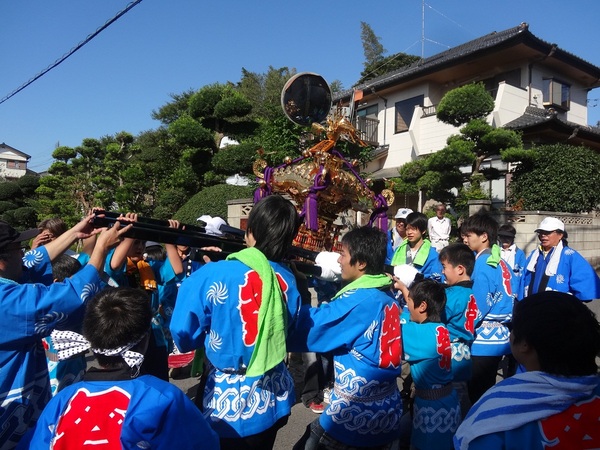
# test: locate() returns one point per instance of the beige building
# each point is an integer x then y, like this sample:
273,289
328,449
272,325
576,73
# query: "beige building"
13,163
539,89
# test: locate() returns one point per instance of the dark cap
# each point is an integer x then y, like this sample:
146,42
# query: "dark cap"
9,235
506,233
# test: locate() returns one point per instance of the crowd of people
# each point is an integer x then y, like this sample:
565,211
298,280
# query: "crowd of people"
415,355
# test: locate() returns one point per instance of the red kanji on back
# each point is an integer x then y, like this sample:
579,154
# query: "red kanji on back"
92,420
249,304
390,343
576,427
471,314
506,274
443,347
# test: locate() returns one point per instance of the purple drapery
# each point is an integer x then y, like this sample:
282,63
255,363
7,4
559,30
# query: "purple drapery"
264,190
311,204
379,215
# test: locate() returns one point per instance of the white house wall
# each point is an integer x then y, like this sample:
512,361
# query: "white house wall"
510,104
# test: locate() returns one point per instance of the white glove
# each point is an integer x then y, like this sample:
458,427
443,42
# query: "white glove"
213,224
405,273
330,268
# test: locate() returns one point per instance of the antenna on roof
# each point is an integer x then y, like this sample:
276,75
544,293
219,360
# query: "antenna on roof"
422,29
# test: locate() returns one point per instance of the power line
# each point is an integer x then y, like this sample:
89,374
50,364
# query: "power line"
73,50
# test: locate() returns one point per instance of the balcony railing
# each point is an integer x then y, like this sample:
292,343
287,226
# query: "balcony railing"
429,111
367,127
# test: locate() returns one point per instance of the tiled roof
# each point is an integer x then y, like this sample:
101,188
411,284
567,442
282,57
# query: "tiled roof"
535,116
455,54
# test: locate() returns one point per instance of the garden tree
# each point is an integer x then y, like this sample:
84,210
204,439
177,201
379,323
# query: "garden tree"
557,177
439,174
223,110
17,202
94,174
263,91
172,110
212,201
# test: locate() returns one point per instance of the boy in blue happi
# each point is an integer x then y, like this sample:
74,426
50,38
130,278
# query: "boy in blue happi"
461,312
361,326
113,407
514,257
31,306
556,403
417,251
493,293
426,341
554,266
239,311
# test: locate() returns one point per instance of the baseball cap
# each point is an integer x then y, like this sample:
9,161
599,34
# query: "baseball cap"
9,235
403,213
551,224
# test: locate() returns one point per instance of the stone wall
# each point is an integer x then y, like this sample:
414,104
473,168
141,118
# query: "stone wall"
583,230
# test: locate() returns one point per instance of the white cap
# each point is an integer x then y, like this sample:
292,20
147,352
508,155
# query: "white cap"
551,224
403,213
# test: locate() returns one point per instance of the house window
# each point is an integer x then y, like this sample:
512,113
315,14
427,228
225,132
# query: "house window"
404,112
556,93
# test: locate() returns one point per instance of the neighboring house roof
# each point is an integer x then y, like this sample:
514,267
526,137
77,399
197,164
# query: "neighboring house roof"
544,126
501,44
8,149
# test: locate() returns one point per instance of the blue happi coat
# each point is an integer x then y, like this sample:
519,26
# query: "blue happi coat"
493,293
573,274
461,313
217,309
362,329
140,413
427,350
30,312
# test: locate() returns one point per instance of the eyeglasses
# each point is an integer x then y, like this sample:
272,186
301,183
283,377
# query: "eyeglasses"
545,233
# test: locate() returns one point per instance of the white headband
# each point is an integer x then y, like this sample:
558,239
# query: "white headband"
69,343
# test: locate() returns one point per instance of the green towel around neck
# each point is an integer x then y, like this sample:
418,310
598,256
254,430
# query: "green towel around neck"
420,258
364,282
495,256
270,345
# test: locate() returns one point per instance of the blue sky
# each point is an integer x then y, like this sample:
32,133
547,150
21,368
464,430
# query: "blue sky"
161,47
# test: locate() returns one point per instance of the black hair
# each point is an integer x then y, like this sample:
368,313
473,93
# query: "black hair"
432,293
564,332
367,245
274,223
155,253
481,223
64,266
458,254
116,317
417,220
55,225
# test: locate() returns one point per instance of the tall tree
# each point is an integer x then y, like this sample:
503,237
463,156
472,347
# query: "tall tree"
372,47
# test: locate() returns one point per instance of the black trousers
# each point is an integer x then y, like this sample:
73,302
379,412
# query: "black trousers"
485,371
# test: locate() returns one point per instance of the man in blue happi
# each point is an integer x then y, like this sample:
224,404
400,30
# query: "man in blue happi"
31,306
556,402
554,266
493,293
416,250
240,311
113,407
361,327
